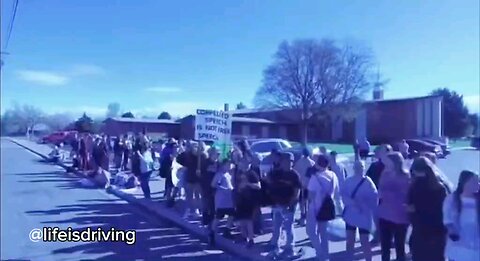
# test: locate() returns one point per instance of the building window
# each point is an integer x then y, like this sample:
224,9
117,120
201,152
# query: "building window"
245,130
265,131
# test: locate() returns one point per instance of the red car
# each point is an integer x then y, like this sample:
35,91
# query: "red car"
58,137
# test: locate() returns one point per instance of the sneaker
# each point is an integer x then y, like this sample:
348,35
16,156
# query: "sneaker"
197,214
250,243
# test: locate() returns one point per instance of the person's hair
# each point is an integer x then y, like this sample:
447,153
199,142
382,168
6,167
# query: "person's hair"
430,155
306,152
322,161
398,162
388,148
423,164
465,176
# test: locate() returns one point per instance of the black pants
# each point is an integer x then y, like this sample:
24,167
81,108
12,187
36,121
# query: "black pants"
428,245
208,208
389,231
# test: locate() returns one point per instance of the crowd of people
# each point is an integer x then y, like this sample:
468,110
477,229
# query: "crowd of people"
396,192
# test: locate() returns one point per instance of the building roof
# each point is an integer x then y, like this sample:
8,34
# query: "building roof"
247,111
251,120
133,120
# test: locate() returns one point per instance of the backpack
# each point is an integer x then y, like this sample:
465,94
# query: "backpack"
327,210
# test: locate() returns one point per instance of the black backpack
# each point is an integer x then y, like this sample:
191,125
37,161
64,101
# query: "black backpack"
327,210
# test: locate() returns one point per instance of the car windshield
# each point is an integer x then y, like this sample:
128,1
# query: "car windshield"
264,147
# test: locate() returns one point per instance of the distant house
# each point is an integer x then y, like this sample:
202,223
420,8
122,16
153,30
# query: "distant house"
245,127
379,120
154,127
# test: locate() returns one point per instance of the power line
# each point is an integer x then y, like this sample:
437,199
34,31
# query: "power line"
10,28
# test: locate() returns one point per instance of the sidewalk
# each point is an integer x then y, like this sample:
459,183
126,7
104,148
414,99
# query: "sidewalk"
156,206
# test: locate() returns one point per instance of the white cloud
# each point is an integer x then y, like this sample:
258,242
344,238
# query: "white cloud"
86,69
43,77
59,78
163,89
472,102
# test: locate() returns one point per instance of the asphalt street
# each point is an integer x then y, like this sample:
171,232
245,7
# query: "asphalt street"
36,195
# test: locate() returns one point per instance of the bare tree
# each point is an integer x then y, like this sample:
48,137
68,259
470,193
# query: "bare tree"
58,121
21,119
241,106
316,78
113,110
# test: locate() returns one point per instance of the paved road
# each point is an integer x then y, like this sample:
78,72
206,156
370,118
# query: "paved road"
35,195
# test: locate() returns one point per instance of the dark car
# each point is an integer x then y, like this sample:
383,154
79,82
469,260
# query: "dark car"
475,142
444,146
418,146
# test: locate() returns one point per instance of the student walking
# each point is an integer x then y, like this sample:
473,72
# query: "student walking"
284,188
190,160
302,166
425,200
338,168
323,197
210,168
224,205
360,197
392,211
146,167
247,203
374,172
461,216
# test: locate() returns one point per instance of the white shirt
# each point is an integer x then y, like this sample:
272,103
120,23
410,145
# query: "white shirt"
322,184
301,166
146,162
359,210
468,247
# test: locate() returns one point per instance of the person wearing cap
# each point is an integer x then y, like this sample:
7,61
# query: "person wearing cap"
323,183
302,166
284,189
166,161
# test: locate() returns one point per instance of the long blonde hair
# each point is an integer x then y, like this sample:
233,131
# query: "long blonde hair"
398,163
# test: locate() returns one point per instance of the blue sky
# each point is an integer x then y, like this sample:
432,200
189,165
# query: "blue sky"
153,55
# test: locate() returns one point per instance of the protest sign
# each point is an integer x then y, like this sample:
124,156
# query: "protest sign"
216,126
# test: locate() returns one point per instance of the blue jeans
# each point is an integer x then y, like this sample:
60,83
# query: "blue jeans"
317,233
144,180
283,216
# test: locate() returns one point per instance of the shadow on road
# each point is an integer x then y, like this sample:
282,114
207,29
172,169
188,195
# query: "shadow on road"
153,241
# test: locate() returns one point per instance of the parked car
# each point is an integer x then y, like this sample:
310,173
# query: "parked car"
419,146
57,137
264,147
475,142
445,148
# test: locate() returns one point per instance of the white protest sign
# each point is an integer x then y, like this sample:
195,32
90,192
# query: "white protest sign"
211,125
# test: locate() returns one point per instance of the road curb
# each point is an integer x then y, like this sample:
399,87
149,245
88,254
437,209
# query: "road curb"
167,214
172,216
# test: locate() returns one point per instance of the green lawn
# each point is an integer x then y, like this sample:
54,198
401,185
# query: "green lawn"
339,148
459,143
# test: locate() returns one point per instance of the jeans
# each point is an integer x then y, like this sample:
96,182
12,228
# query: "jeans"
283,216
317,233
144,180
389,230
